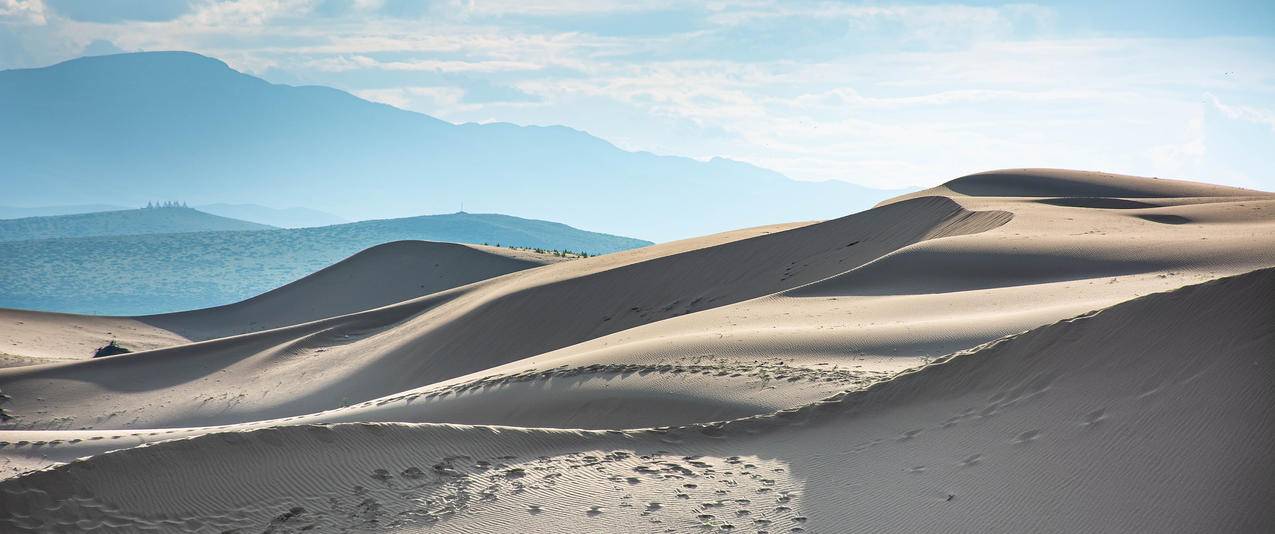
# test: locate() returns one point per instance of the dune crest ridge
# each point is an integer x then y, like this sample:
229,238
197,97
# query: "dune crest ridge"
1020,350
378,276
952,442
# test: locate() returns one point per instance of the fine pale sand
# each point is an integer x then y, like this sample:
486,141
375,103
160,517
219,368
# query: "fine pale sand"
381,275
1013,351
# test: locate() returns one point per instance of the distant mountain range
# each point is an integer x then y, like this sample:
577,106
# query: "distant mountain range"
14,212
281,217
123,222
127,128
142,274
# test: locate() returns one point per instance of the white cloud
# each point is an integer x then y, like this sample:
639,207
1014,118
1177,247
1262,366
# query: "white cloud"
419,98
888,95
240,13
345,63
932,24
22,12
1244,113
848,97
557,7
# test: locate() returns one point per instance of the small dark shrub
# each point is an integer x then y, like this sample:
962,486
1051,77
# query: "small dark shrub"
110,349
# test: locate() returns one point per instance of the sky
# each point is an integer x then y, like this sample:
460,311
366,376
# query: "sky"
881,94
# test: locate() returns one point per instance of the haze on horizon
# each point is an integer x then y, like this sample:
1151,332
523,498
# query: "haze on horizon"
884,96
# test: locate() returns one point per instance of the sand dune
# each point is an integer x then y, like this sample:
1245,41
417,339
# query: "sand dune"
31,337
446,335
1099,187
378,276
1132,419
936,363
381,275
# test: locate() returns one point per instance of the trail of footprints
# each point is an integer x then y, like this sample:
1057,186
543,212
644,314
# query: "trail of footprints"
669,493
764,371
655,492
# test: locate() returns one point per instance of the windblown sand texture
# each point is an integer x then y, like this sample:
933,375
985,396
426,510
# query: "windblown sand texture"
1015,351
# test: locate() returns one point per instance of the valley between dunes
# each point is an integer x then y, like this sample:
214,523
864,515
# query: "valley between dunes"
1026,350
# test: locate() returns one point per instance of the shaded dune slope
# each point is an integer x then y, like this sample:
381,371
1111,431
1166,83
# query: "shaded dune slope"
325,364
766,379
716,328
1141,417
381,275
378,276
919,302
1098,187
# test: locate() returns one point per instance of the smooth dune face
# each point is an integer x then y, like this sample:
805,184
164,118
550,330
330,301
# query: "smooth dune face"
1094,186
379,276
446,335
1025,350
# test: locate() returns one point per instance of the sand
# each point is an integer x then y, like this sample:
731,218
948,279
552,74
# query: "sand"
1025,350
381,275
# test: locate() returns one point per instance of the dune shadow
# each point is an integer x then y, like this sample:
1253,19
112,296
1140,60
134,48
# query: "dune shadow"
1096,202
1166,219
1049,183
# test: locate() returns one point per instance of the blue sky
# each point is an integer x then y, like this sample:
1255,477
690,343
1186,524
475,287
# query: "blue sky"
881,94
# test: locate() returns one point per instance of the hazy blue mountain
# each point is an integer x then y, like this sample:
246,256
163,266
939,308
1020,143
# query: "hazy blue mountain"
127,128
14,212
281,217
124,222
140,274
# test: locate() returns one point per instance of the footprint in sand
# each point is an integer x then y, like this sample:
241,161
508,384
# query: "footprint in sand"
907,435
1027,437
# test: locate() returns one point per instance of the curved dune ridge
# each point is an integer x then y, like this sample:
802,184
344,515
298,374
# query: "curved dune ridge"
1094,186
868,372
378,276
360,357
381,275
1136,418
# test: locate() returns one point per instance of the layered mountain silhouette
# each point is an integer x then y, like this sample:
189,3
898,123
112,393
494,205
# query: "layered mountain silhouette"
126,128
281,217
17,212
294,217
165,220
